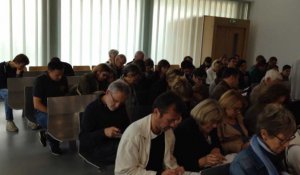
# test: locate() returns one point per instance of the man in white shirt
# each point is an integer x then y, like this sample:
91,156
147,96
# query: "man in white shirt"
146,146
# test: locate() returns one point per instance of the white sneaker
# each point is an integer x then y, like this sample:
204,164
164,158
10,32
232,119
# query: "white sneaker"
11,127
32,125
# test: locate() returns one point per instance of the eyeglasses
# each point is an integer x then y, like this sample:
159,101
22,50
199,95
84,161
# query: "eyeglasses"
284,141
114,100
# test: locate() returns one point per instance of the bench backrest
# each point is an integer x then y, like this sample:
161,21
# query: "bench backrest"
63,115
80,73
16,89
81,68
38,68
32,73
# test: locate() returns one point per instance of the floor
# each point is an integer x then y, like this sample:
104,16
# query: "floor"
21,153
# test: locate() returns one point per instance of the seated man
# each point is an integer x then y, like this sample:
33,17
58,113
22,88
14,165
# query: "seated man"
146,146
230,80
8,70
271,77
89,83
68,70
51,84
104,120
118,65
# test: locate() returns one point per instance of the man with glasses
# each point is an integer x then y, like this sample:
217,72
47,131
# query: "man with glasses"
146,146
104,120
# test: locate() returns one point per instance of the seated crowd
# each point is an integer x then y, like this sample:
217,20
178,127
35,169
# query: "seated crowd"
170,121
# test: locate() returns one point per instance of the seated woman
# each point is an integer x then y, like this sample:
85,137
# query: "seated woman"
232,132
276,127
92,82
197,144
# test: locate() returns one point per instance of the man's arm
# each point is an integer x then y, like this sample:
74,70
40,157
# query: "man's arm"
38,94
128,160
294,158
38,105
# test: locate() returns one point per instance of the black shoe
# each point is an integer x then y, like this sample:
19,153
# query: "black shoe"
43,139
55,150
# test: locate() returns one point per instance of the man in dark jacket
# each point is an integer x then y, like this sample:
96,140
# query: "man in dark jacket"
230,80
11,69
104,120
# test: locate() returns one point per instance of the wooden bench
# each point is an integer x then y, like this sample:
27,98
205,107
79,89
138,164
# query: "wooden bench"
81,68
80,73
32,73
16,89
175,66
38,68
63,115
37,73
28,104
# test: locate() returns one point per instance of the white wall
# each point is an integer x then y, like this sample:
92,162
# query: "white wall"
275,30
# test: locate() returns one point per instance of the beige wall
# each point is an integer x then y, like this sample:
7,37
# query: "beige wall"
275,30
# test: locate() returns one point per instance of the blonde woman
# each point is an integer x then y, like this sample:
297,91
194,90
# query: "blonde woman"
197,145
232,131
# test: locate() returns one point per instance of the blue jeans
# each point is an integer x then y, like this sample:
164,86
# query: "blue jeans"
41,118
8,111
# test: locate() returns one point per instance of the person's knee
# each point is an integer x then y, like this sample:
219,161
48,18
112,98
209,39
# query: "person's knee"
42,119
3,94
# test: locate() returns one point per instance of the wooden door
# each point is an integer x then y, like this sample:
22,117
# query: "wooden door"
230,37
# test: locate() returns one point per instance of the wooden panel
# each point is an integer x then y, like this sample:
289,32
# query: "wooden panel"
175,66
80,73
229,41
208,31
38,68
33,73
81,68
28,104
16,89
63,113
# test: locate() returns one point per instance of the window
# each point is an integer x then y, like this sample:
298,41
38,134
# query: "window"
21,29
90,28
